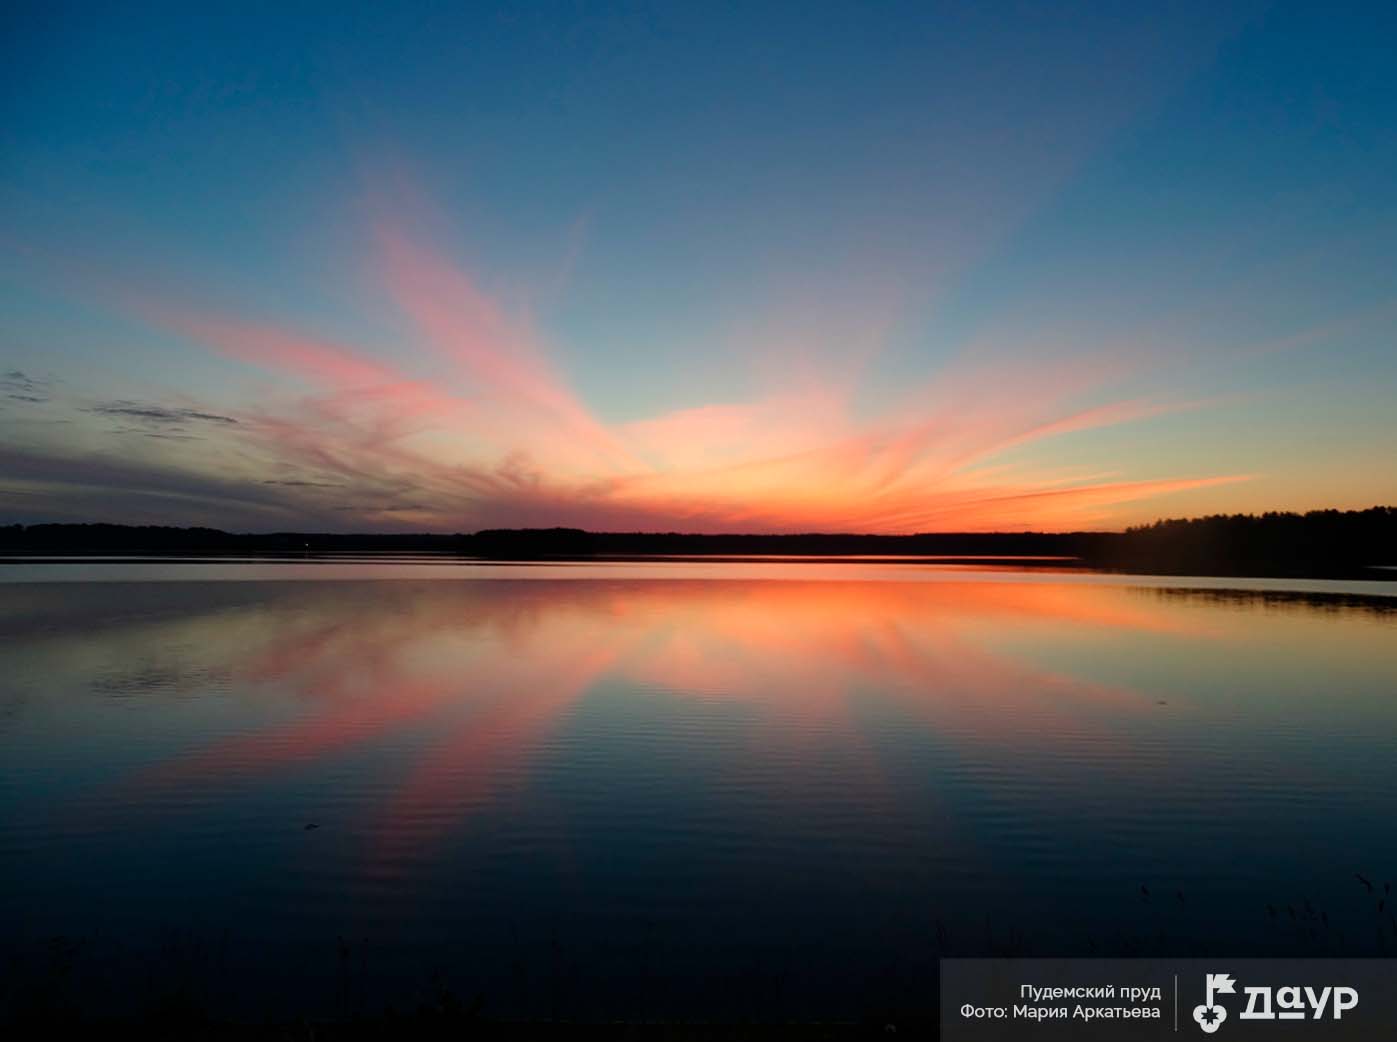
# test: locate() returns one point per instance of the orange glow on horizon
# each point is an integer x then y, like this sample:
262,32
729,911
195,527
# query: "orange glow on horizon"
486,432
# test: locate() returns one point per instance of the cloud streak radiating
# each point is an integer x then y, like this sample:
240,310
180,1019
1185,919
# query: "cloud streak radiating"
468,419
471,422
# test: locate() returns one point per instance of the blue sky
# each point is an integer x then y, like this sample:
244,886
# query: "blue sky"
771,266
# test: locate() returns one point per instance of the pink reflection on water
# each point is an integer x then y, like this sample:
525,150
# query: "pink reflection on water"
469,682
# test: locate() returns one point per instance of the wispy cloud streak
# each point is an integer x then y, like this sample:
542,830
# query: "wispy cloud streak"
473,424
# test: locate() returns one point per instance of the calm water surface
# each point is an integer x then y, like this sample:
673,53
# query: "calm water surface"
672,789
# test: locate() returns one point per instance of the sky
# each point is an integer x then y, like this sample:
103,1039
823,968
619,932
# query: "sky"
764,267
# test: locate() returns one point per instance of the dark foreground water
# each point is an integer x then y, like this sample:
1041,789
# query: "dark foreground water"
672,790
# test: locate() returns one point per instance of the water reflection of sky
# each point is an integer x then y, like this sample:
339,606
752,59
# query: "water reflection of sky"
722,770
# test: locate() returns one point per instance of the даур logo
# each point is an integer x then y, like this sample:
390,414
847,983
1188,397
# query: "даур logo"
1291,1002
1210,1015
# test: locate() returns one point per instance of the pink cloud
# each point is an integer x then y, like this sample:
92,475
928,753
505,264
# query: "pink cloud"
500,438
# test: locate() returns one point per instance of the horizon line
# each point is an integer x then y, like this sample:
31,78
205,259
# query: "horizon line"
572,529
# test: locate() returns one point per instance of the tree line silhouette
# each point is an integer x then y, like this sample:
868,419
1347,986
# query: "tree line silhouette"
1314,543
1321,542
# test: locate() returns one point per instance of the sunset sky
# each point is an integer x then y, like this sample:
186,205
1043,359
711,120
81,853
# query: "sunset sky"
696,266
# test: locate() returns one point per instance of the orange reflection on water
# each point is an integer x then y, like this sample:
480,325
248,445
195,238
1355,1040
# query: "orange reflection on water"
469,680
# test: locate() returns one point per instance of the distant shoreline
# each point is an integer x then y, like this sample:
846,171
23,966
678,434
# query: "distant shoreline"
1328,544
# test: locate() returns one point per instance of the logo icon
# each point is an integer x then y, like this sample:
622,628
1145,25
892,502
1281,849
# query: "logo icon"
1210,1015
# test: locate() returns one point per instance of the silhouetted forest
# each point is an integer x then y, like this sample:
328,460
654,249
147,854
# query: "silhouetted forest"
1322,542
